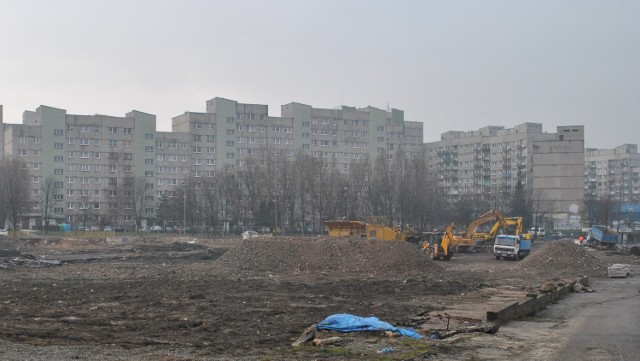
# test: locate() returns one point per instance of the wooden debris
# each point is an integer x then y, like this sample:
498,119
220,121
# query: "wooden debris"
307,335
326,341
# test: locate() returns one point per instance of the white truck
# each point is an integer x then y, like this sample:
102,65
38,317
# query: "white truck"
511,247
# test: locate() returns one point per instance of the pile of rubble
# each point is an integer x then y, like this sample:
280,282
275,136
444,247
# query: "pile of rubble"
563,258
330,256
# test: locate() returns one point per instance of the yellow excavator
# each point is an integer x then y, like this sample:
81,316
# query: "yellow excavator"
507,225
472,239
440,244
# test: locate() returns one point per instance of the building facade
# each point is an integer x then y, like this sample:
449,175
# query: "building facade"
115,170
613,174
486,165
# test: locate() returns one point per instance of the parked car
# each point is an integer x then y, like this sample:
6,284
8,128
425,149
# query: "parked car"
156,228
108,229
118,229
249,234
94,228
4,232
80,228
264,230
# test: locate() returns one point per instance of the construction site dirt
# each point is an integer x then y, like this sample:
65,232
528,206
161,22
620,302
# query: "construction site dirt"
184,298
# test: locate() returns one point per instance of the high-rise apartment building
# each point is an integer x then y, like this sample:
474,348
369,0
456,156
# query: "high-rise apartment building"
91,161
485,166
613,174
114,170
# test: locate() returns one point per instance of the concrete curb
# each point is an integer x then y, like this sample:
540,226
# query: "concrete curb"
528,306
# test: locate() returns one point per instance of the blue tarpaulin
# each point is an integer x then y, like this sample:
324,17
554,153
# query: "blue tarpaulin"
349,323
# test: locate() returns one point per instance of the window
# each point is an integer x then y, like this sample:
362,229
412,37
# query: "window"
128,130
22,139
128,156
85,154
70,154
84,129
58,158
229,143
230,155
70,205
113,168
71,179
148,173
58,132
84,141
230,131
36,179
197,125
230,120
57,145
148,161
148,148
84,167
197,149
211,138
113,130
113,143
58,171
96,155
276,140
127,143
148,136
276,128
96,141
196,137
70,140
70,192
22,152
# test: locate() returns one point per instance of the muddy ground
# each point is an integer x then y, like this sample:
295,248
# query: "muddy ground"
192,299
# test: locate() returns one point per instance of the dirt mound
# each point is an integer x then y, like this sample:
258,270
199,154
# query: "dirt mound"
332,256
563,258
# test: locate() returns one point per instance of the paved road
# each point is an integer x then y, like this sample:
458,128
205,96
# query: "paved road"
599,326
606,324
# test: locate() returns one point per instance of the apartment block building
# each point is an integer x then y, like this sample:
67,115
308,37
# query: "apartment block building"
98,162
92,160
485,165
613,174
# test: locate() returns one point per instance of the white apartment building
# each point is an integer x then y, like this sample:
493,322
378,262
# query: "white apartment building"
485,165
613,174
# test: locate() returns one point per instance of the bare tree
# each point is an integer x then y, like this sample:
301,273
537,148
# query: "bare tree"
48,200
15,189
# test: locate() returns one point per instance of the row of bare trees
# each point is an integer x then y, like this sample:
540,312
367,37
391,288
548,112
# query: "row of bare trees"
300,194
274,191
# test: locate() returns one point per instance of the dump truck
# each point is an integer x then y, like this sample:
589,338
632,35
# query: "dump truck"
511,247
600,236
439,245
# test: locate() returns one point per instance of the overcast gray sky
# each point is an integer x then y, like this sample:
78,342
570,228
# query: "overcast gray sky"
454,65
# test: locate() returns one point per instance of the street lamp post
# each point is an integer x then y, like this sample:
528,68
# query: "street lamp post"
184,206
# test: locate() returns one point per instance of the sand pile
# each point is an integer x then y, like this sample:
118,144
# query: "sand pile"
332,256
563,258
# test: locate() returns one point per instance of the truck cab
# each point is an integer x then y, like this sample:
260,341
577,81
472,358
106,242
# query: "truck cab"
511,247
